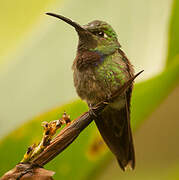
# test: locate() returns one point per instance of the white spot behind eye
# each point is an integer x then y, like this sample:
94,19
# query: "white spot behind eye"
105,35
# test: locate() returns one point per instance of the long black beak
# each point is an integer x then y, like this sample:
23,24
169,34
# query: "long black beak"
68,21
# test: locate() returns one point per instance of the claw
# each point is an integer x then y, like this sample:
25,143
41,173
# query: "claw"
91,112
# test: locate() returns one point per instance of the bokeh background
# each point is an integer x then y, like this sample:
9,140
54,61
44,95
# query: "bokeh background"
36,54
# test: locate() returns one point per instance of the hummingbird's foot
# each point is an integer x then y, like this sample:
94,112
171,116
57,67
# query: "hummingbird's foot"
91,112
108,99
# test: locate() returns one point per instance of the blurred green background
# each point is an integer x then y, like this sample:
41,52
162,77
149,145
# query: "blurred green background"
36,54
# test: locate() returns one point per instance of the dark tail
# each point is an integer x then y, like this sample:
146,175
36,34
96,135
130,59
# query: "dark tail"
114,126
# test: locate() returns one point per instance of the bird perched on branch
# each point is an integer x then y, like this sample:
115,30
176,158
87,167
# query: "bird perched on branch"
100,69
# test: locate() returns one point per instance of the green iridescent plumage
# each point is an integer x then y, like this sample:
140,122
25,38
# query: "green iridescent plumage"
110,71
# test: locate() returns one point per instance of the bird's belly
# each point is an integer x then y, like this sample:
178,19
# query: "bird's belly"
94,87
88,87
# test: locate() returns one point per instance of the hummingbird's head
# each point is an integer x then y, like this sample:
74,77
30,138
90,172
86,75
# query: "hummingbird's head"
104,35
96,36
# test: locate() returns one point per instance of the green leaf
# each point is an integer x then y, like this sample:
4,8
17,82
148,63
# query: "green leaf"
153,91
75,162
173,44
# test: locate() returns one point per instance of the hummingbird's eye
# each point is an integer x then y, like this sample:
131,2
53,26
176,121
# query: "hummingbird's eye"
100,33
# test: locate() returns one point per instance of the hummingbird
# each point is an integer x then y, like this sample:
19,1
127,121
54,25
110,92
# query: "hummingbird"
99,70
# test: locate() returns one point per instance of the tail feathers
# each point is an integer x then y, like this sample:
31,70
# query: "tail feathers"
128,160
114,126
129,165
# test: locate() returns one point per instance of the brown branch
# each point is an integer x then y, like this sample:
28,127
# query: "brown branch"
73,129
